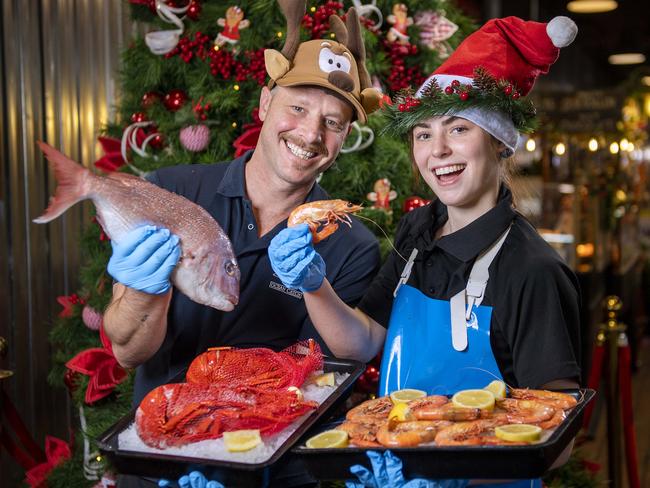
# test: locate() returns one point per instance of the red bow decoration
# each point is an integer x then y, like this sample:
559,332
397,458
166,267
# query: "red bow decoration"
112,160
248,140
56,451
67,302
101,366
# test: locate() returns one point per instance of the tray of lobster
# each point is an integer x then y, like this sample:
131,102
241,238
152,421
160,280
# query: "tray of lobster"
491,433
236,414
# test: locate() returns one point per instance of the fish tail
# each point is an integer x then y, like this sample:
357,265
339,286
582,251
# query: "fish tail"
71,179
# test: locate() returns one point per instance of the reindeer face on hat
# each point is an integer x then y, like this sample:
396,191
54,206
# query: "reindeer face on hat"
336,65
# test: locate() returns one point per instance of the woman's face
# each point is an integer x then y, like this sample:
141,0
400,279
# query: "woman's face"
458,160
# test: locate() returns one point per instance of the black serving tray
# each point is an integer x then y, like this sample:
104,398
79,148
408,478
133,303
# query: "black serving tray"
160,465
489,462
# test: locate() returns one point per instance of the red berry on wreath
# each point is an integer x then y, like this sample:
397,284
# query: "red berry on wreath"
464,96
449,90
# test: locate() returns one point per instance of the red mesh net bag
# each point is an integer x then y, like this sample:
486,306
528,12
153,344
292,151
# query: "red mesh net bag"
257,367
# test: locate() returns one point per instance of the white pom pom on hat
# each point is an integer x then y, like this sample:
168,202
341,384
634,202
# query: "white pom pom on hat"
562,31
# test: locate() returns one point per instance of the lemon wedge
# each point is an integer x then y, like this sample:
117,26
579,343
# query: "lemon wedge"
325,379
327,439
518,432
498,389
482,399
400,412
241,440
406,395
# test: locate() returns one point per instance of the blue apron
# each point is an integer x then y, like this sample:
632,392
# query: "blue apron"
421,353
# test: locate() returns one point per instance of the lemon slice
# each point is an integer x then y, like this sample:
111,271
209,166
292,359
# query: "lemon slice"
241,440
498,389
325,379
518,432
400,412
482,399
406,395
328,438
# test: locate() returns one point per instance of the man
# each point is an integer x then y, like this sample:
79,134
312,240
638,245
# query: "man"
317,89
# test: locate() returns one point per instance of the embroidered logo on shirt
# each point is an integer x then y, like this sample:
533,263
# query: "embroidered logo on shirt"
287,291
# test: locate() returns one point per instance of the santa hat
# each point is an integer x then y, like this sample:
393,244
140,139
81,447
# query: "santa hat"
487,78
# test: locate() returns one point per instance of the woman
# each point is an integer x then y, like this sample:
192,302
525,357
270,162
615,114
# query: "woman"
472,292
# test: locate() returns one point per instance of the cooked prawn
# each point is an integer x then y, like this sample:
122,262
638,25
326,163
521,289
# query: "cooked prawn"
377,408
525,411
465,433
362,433
448,411
323,213
555,399
410,433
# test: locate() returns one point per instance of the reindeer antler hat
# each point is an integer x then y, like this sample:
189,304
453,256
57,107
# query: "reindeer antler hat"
336,65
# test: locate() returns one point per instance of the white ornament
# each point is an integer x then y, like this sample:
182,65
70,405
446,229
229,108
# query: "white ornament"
364,138
435,29
195,138
129,139
365,10
162,42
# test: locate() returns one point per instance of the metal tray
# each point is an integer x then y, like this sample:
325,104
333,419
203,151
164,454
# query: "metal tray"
160,465
489,462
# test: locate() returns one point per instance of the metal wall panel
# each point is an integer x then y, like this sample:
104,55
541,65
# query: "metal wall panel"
59,61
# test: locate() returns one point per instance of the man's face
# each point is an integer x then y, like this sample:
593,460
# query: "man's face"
303,131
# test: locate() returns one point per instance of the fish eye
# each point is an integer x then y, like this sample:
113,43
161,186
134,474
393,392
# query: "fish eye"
350,204
230,268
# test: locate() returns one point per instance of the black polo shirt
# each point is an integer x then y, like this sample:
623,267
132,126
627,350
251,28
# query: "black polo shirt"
268,314
535,325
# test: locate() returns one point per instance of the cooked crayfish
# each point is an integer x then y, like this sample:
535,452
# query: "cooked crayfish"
325,213
180,413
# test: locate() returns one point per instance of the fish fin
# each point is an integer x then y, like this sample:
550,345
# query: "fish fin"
70,177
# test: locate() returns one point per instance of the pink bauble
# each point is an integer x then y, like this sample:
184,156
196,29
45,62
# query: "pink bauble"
92,318
195,138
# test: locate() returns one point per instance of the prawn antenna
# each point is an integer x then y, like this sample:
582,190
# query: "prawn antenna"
489,373
383,232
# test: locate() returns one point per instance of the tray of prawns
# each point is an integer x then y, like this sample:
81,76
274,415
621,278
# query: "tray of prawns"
492,433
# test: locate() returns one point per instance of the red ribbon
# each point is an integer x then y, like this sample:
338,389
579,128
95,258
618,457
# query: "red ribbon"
56,451
248,139
101,366
112,160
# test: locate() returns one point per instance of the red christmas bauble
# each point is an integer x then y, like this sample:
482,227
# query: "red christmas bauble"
138,117
157,141
411,203
71,378
174,100
149,98
194,10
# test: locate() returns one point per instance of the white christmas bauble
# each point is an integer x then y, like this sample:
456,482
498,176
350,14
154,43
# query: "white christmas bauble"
195,138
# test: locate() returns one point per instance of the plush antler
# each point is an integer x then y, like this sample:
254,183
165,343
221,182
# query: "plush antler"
338,27
293,11
356,46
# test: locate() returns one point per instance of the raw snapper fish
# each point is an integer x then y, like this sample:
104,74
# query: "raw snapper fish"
207,271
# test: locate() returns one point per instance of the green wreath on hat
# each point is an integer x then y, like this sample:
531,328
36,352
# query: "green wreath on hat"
486,93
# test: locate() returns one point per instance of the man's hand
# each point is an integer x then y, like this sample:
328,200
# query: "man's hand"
145,258
193,480
294,259
387,473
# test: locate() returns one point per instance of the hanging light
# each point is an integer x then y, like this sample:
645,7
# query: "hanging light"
626,58
591,6
623,145
560,148
613,147
646,80
530,145
593,144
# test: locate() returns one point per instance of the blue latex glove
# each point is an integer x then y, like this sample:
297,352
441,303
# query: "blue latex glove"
145,258
294,259
193,480
387,473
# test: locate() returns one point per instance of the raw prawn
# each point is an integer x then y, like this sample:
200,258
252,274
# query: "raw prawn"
555,399
323,213
410,433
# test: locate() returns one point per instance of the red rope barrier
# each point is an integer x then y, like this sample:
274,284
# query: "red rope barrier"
593,382
625,381
34,452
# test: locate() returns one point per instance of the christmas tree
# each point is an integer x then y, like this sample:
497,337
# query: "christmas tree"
190,89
